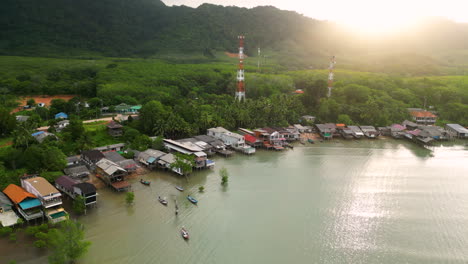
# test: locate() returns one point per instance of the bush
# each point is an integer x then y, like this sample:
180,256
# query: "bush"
5,231
130,197
13,237
201,189
40,244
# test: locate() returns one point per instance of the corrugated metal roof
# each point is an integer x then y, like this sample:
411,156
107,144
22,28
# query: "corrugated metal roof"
17,194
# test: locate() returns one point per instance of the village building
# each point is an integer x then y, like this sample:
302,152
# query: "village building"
369,131
345,132
324,131
77,172
397,131
166,161
7,216
26,203
113,147
22,118
61,115
127,109
61,125
357,132
188,148
457,130
434,132
308,118
422,117
114,129
74,189
271,138
216,145
50,197
73,160
42,135
112,174
150,157
91,157
204,146
300,128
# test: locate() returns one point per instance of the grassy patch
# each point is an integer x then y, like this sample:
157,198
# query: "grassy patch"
99,134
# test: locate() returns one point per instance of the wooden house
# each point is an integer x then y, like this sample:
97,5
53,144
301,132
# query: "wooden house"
231,139
345,132
91,157
80,172
74,189
369,131
26,203
150,157
324,131
7,216
112,174
166,161
357,132
188,148
50,197
457,130
73,160
114,129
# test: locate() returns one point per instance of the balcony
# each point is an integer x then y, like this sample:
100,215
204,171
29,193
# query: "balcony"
51,202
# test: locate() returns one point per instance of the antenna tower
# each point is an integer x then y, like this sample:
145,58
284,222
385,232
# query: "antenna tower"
240,92
330,75
259,58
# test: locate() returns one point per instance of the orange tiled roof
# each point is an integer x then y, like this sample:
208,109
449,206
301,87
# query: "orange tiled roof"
422,114
17,194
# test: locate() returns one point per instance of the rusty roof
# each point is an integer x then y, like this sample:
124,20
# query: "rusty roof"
17,194
422,114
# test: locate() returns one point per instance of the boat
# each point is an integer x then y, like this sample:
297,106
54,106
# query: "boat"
162,200
192,200
179,188
310,141
145,182
184,233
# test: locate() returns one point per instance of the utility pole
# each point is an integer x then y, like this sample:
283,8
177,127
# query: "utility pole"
240,92
331,75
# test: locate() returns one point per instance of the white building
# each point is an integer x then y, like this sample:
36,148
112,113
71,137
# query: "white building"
229,138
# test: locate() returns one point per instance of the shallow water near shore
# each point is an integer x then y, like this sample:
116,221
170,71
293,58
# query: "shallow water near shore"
367,201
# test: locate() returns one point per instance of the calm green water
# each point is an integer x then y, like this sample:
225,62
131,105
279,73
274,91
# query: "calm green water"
381,201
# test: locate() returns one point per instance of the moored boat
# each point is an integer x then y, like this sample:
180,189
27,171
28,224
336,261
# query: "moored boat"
311,141
162,200
179,188
184,233
145,182
192,200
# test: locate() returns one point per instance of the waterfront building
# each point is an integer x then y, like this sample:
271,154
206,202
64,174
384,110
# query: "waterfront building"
77,172
231,139
357,132
188,148
26,203
422,117
324,131
150,157
369,131
457,130
74,189
112,174
50,197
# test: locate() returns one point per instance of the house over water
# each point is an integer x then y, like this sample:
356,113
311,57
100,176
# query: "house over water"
457,130
50,197
112,174
74,189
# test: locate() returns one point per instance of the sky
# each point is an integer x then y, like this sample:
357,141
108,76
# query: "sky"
367,15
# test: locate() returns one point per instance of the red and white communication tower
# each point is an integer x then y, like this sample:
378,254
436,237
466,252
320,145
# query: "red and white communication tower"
240,92
330,75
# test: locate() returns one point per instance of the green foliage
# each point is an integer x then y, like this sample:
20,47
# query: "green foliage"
128,155
201,189
344,119
158,143
75,128
67,242
79,206
223,173
7,122
13,237
5,231
40,244
129,197
184,163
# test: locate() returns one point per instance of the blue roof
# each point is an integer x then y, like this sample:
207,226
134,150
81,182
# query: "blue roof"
37,133
151,159
61,115
29,203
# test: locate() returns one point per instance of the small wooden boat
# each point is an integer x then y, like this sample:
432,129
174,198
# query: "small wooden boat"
162,200
310,141
145,182
192,200
184,233
179,188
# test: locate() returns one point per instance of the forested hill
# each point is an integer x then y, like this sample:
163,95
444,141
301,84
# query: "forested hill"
144,28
